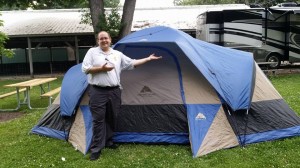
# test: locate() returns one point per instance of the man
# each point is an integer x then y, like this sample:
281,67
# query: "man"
103,66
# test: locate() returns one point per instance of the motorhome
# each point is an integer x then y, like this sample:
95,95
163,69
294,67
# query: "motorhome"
271,34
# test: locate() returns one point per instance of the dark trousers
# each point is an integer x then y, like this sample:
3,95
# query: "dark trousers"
105,104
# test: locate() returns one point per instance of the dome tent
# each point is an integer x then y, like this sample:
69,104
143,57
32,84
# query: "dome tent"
199,93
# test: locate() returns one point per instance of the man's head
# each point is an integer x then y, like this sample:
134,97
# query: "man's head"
104,40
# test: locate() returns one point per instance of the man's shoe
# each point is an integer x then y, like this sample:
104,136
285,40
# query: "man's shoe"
113,146
95,156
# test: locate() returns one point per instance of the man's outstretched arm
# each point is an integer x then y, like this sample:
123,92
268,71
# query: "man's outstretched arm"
144,60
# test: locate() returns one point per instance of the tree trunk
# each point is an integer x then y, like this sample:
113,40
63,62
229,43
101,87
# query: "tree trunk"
96,9
127,17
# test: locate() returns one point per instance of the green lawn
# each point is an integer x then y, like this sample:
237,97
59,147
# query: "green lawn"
18,148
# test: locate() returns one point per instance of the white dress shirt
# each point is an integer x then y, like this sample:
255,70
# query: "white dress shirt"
96,57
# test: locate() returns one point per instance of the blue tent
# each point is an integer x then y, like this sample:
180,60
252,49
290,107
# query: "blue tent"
229,71
200,94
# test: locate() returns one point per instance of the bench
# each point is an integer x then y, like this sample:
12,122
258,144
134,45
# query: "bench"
50,94
11,93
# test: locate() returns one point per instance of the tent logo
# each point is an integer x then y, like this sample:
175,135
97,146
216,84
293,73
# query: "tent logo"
146,92
200,116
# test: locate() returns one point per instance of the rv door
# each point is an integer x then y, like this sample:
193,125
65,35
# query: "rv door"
294,37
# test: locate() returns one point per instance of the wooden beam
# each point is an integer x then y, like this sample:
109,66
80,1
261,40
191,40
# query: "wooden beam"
30,57
76,50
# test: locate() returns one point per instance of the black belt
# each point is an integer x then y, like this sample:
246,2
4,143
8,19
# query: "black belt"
106,87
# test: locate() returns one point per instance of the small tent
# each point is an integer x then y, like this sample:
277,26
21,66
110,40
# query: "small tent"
200,94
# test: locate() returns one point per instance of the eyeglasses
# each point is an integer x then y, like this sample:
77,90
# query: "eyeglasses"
103,38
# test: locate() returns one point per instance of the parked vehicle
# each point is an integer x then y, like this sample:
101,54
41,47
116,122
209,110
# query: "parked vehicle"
271,34
287,4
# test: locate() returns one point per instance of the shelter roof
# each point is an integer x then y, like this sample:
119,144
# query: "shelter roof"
32,23
43,22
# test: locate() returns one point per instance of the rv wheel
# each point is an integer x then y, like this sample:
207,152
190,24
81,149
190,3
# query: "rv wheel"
275,59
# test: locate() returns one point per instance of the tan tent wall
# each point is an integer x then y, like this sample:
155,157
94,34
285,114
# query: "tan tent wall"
219,136
198,91
77,132
264,90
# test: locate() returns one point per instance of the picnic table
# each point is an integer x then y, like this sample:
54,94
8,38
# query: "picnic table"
29,85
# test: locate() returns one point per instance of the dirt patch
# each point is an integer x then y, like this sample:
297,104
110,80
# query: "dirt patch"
6,116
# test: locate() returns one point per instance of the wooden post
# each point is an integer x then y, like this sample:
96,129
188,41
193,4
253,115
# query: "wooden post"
30,57
76,50
51,60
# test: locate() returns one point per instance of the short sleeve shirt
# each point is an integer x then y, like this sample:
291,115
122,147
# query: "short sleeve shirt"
96,57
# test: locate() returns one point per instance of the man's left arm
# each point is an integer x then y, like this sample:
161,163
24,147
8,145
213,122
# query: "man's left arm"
142,61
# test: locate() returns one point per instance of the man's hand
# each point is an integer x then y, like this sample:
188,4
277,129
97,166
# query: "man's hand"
146,59
106,67
153,57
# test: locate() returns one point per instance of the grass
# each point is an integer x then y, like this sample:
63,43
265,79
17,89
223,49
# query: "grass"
21,149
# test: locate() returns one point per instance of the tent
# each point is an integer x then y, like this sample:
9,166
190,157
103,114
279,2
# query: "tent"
201,94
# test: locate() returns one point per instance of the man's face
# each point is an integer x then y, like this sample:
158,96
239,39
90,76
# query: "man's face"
104,40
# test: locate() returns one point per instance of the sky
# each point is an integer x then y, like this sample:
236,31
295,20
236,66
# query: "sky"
152,3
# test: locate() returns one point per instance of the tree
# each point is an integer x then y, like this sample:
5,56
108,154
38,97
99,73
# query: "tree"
96,12
112,23
127,17
3,38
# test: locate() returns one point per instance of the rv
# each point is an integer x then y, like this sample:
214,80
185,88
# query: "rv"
271,34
